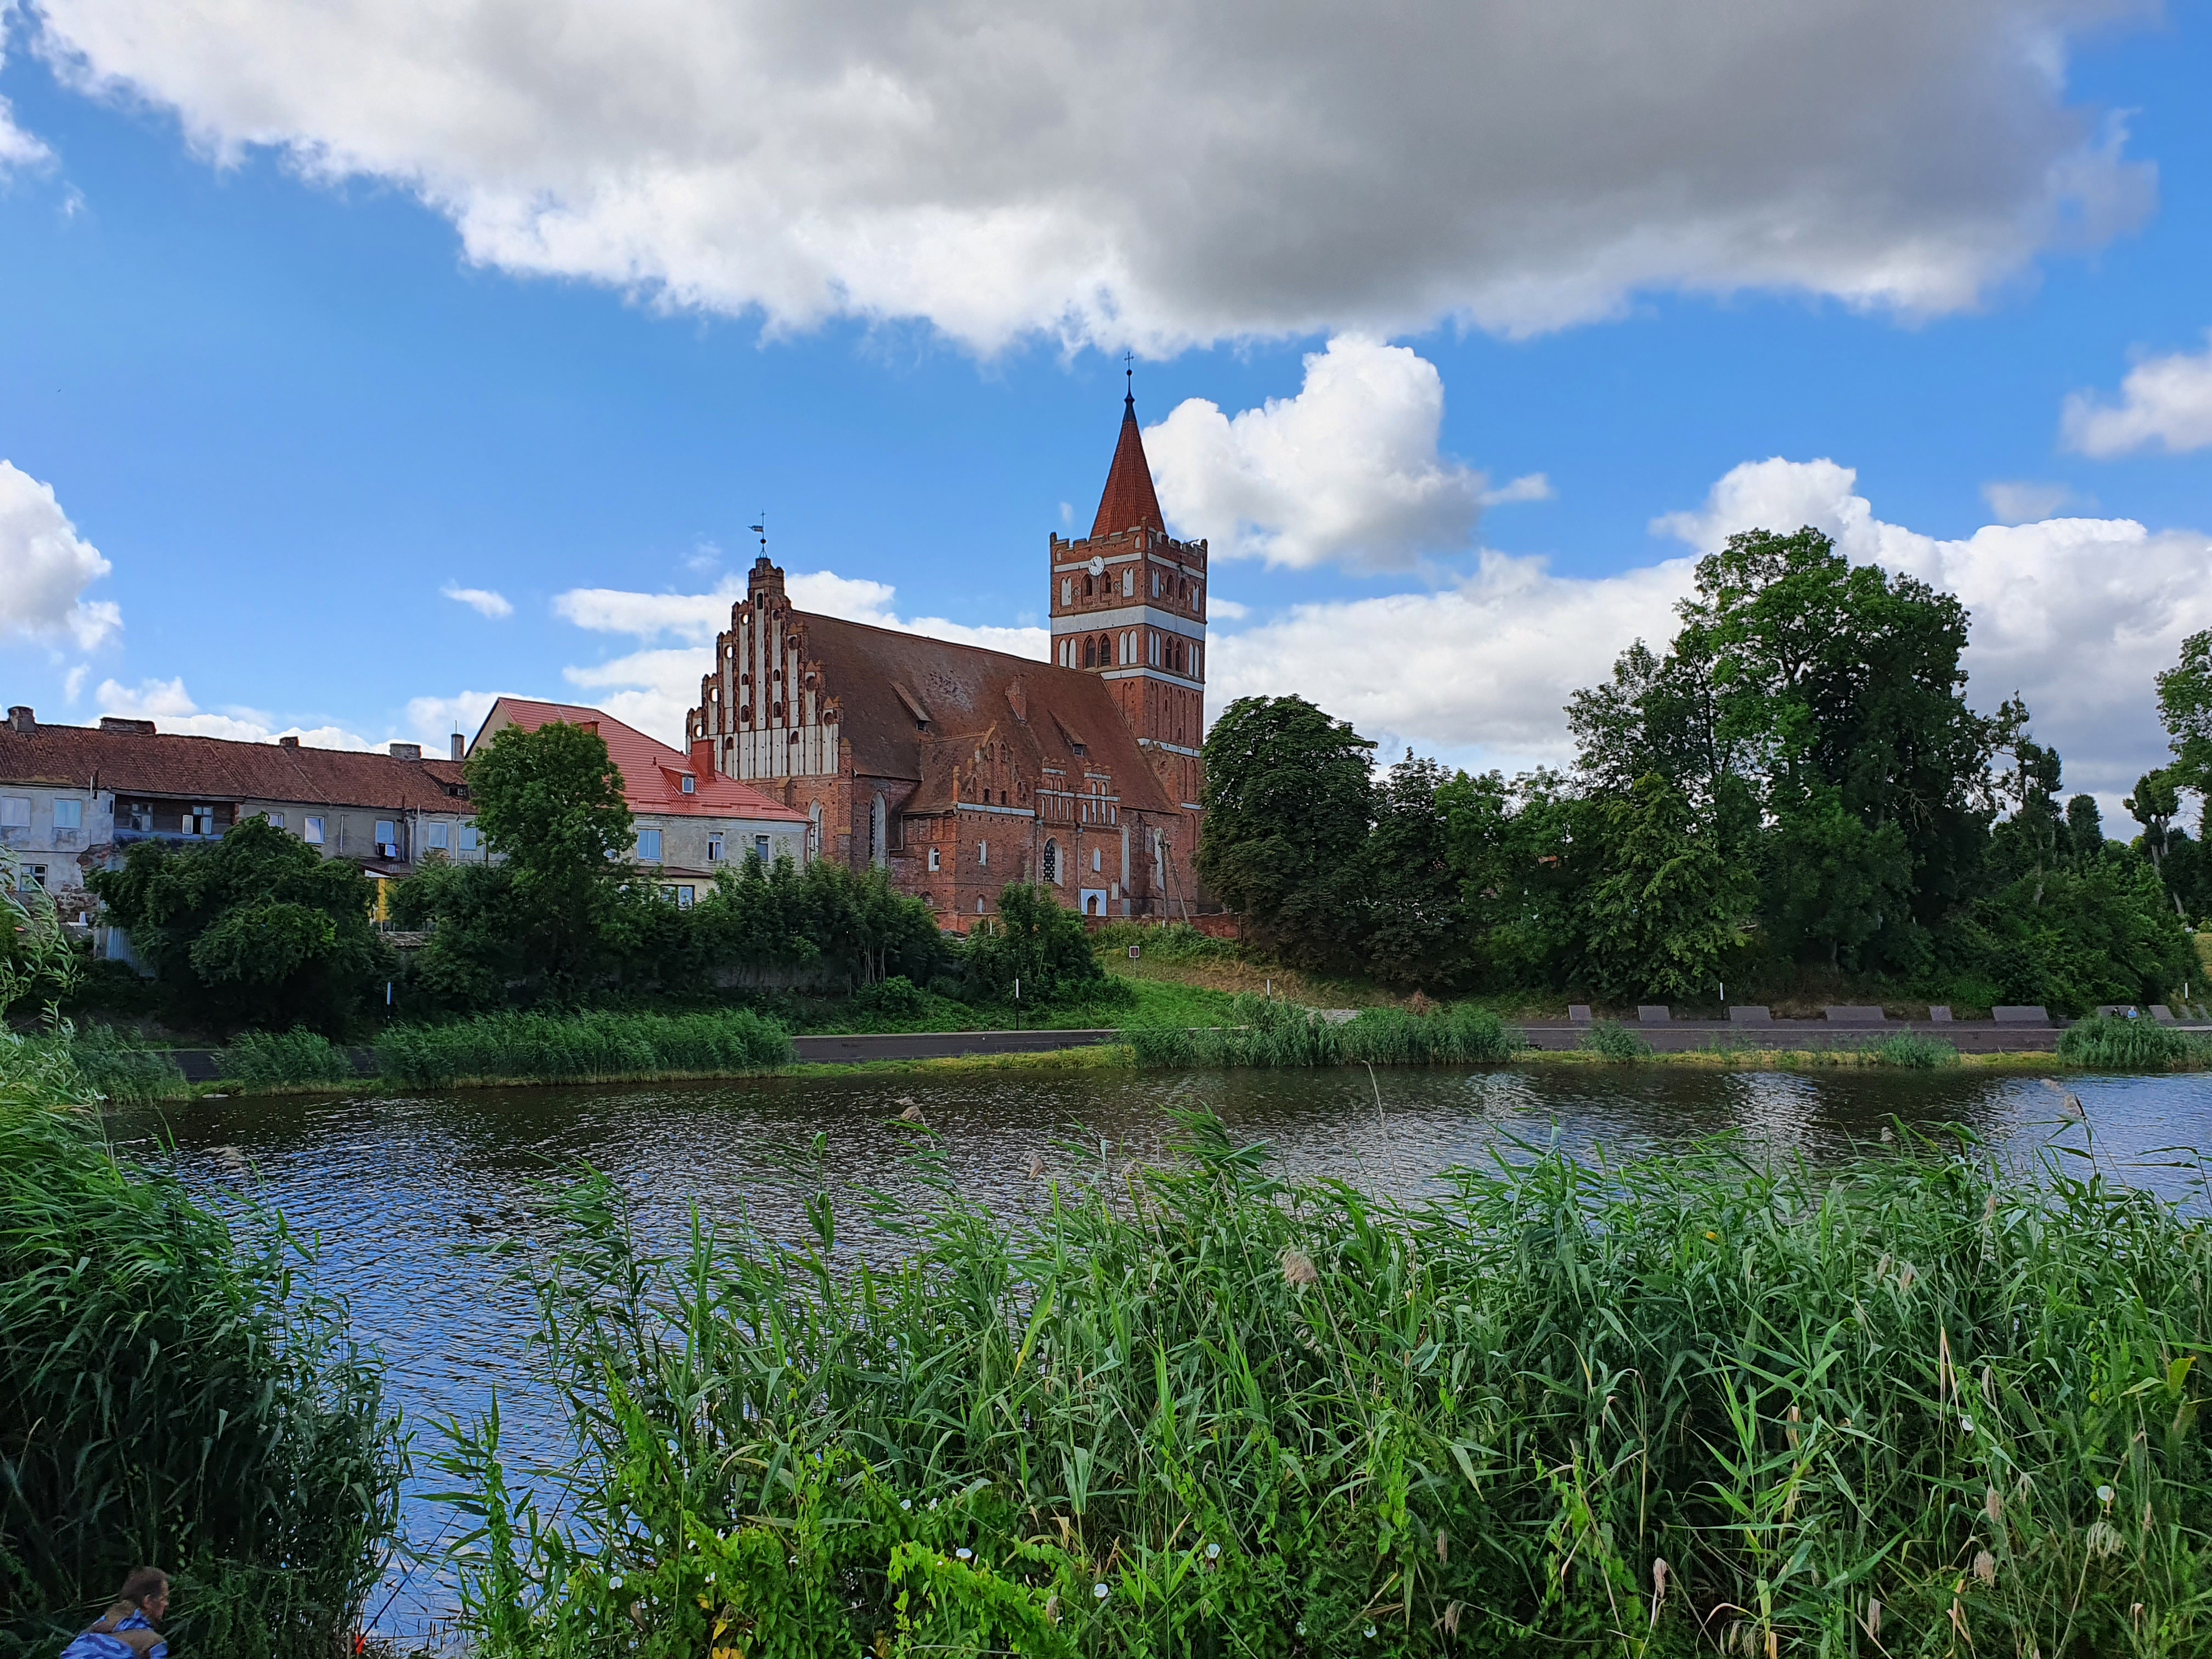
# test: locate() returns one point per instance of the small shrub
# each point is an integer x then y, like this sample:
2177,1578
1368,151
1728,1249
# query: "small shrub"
275,1059
895,998
124,1068
1610,1038
1177,942
2121,1045
1916,1052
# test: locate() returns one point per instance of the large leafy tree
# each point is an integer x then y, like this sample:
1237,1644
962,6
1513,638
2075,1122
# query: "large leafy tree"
1664,907
550,803
1519,849
1288,807
1416,924
256,929
2184,704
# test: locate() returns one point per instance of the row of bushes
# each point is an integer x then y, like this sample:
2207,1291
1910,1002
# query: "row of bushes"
571,1048
1267,1033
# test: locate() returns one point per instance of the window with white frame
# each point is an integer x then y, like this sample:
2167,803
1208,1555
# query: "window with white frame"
470,842
69,814
684,896
311,831
388,833
276,820
436,837
932,859
714,848
760,847
648,846
14,811
982,852
1128,581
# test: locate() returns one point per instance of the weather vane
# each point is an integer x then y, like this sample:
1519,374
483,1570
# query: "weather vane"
1129,372
761,531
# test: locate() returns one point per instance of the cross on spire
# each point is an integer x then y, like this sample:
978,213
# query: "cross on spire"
1129,378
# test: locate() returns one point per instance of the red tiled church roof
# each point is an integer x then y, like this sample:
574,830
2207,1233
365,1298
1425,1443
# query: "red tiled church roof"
1042,710
1130,500
652,774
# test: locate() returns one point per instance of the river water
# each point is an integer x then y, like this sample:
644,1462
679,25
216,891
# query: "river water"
399,1194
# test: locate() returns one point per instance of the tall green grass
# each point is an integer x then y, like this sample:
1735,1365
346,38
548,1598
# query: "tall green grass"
123,1068
565,1047
169,1394
1686,1405
2129,1045
1614,1041
1263,1032
264,1060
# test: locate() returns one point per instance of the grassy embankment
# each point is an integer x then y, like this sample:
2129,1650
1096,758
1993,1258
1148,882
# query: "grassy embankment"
1913,1405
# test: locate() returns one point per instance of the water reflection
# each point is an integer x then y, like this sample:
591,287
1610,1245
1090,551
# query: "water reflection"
400,1192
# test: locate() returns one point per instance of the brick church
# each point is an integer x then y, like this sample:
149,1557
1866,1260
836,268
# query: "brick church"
960,769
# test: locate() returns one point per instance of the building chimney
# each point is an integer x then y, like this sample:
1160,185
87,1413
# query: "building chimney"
20,720
460,747
702,756
407,752
292,742
118,723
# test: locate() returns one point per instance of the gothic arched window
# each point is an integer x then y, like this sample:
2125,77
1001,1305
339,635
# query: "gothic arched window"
1090,654
1052,862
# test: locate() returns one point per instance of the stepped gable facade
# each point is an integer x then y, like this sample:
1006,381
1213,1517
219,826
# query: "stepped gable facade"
960,769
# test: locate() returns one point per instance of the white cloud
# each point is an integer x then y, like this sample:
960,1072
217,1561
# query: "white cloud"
1171,174
2166,403
434,719
481,600
73,682
652,688
2074,614
19,151
171,708
44,567
2019,500
1346,471
1528,486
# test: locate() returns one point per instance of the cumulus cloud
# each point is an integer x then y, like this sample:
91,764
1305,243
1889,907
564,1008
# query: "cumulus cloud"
434,719
653,688
19,151
2165,403
171,708
1170,174
2018,501
1347,471
483,600
1528,486
44,567
2074,614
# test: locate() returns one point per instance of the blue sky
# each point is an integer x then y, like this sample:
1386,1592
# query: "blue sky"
280,343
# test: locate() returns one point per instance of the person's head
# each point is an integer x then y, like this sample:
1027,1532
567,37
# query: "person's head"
147,1588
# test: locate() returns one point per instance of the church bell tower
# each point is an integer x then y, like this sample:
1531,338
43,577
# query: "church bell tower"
1128,604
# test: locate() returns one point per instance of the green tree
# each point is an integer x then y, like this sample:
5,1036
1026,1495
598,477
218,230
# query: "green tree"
550,803
2154,804
2085,828
2185,705
1521,851
1416,926
1288,808
1831,880
256,929
1665,908
1038,941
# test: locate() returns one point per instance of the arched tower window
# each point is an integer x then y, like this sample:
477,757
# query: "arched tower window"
1052,862
1090,654
878,837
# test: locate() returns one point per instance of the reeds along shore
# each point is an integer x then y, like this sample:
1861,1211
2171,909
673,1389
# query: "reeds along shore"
1909,1406
169,1393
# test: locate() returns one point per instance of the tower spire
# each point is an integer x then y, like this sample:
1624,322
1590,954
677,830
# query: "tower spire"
1129,499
